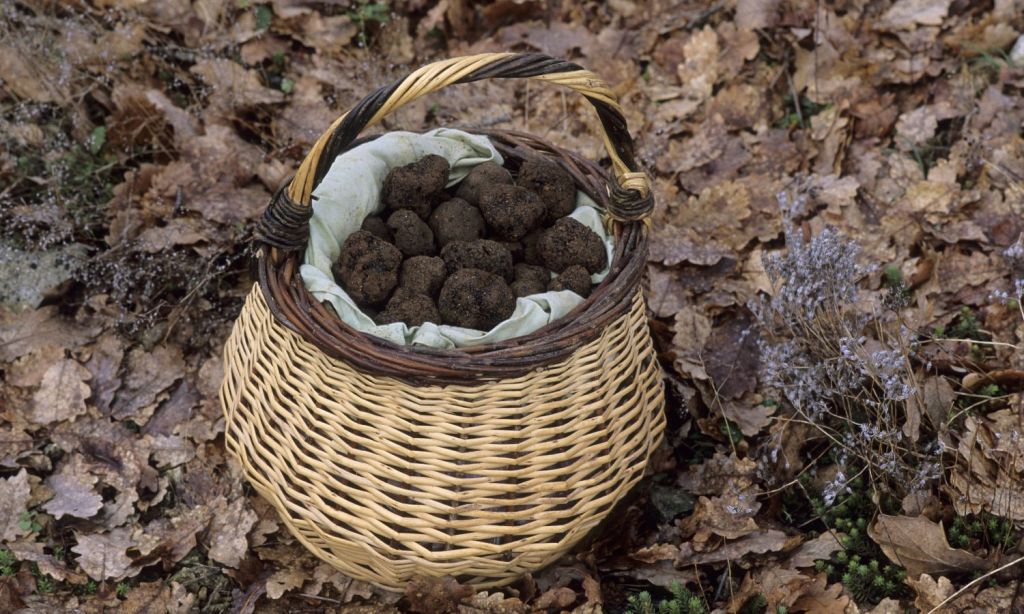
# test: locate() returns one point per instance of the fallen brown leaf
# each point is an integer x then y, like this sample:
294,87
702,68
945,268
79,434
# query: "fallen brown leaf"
102,556
920,545
14,496
62,393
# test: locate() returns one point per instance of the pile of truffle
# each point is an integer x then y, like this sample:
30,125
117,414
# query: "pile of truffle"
462,257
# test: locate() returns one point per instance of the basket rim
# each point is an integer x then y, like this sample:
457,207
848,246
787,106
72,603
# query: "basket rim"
295,308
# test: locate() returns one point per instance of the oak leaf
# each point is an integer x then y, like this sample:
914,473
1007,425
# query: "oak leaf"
920,546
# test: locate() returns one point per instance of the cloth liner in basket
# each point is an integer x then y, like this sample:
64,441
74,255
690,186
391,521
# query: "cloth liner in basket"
485,462
351,190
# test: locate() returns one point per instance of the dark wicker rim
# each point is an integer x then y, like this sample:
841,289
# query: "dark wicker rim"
284,230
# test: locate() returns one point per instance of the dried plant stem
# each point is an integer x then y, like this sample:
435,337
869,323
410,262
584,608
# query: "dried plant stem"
974,582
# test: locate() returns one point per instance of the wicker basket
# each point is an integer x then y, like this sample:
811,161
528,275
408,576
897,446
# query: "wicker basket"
482,463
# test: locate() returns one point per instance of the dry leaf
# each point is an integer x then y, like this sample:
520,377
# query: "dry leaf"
233,87
920,545
732,359
820,548
284,580
148,374
228,531
908,14
930,592
74,495
14,495
102,556
759,542
820,597
989,472
428,595
62,393
27,332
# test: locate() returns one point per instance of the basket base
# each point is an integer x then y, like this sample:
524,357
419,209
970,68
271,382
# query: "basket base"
385,480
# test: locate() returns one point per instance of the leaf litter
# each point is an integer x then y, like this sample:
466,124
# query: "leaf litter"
141,142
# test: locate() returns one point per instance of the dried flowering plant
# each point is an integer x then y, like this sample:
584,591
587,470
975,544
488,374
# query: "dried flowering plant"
841,358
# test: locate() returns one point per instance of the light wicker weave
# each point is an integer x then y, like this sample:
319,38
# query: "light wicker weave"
484,464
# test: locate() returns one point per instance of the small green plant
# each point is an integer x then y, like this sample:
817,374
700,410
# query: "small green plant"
966,326
732,431
45,584
892,276
366,14
27,522
683,601
863,569
985,530
89,588
7,563
799,118
264,16
755,605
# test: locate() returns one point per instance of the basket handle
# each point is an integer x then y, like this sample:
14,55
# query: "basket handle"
285,222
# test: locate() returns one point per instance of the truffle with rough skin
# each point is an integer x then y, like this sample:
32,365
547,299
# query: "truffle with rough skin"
412,235
378,227
367,268
483,175
456,220
531,251
484,254
511,211
531,273
575,278
569,242
410,307
552,183
422,275
473,298
416,186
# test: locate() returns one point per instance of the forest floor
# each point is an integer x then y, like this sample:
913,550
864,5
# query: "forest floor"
835,283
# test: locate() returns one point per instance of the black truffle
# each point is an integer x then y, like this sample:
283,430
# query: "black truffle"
482,176
473,298
422,275
575,278
412,235
531,248
511,211
552,183
378,227
483,254
456,220
531,273
569,242
409,307
416,186
367,268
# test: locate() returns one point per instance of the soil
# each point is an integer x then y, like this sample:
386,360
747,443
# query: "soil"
462,256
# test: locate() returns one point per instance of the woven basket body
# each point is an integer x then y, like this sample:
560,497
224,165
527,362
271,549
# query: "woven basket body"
483,464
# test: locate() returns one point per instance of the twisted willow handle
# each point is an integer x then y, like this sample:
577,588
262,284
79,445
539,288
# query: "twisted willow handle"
285,222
